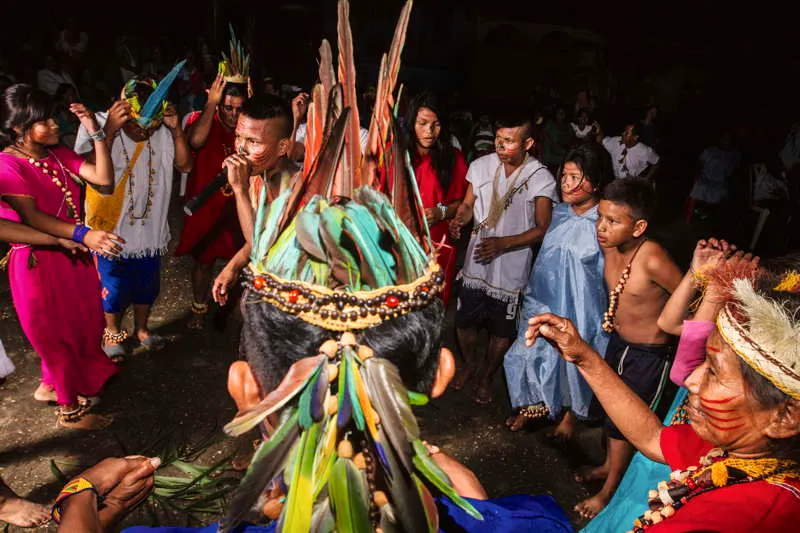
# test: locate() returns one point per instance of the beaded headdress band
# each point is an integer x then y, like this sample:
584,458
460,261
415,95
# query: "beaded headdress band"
236,68
763,333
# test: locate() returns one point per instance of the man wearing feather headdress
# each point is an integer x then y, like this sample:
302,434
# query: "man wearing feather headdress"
213,231
143,132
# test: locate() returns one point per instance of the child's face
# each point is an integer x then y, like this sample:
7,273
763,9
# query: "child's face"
575,187
616,225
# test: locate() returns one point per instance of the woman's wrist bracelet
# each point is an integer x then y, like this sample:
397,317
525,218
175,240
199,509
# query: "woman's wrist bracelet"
98,135
79,233
76,486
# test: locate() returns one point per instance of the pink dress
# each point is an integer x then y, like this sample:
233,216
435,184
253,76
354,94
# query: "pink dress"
56,294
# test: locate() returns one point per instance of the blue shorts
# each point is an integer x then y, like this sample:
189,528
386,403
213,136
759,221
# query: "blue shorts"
131,280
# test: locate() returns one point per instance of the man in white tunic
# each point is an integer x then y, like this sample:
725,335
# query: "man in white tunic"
144,158
510,197
630,157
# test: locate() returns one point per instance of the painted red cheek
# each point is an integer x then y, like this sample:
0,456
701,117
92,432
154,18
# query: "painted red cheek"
713,349
726,400
707,408
712,424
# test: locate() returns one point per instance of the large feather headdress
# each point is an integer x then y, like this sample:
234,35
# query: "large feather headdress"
235,68
342,255
764,333
150,112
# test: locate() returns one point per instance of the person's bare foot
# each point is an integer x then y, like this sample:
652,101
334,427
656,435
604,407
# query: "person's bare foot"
483,394
516,422
588,474
462,377
564,430
22,513
45,393
590,507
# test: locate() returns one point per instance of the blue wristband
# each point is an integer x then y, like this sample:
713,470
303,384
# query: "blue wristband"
79,233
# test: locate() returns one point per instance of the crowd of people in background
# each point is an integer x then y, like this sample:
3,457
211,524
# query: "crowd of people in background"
541,207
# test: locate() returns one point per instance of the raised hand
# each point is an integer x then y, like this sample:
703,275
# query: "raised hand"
171,119
560,332
85,117
118,114
239,168
300,107
215,91
710,253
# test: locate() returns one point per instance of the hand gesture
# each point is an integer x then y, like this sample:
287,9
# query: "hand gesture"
215,92
561,333
488,249
71,246
131,489
239,168
223,282
118,114
710,253
109,473
250,91
85,117
171,117
432,215
300,107
104,243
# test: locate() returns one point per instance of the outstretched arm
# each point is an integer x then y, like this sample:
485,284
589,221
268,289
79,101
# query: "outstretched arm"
198,131
463,214
627,411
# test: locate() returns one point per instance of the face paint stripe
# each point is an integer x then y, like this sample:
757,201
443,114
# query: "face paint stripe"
712,424
713,349
707,408
726,400
734,419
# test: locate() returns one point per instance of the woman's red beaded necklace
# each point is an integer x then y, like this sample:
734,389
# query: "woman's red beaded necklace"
53,174
613,296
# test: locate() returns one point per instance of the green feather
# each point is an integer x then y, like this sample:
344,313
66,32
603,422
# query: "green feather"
266,238
365,233
304,405
325,456
262,210
428,467
296,516
417,398
358,414
345,267
347,490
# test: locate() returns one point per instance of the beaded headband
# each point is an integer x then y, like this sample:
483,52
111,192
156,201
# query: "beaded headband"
344,311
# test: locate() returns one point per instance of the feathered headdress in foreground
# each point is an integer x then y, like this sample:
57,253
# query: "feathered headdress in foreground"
764,333
347,452
236,67
339,254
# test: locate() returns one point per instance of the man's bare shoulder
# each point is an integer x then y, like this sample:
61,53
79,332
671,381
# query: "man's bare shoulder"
655,257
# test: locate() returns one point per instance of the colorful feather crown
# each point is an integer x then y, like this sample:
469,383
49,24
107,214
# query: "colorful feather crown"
347,454
332,249
151,112
236,68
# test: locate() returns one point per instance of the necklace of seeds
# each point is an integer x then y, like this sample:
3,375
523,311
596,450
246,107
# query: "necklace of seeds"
132,216
53,174
614,295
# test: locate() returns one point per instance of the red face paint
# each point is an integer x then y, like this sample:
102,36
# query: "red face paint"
707,408
712,424
713,350
726,400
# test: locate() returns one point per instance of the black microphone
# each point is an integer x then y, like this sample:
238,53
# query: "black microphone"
197,202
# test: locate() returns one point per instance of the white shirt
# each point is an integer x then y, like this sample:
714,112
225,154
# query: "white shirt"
148,237
505,276
49,81
629,162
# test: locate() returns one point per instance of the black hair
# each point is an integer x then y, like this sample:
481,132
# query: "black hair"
591,159
272,340
516,120
636,127
636,193
442,151
234,89
269,106
22,106
583,110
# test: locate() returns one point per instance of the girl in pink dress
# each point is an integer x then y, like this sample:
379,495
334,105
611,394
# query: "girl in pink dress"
56,293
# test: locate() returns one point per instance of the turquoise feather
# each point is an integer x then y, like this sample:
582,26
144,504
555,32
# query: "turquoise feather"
263,239
365,233
262,210
155,100
358,414
345,267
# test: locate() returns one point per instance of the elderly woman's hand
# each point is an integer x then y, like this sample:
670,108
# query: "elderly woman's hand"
561,333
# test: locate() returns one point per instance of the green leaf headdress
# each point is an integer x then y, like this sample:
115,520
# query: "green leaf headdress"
338,253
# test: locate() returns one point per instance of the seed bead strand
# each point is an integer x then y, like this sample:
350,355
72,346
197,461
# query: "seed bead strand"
53,174
614,295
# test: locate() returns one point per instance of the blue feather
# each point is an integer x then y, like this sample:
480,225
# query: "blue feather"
157,97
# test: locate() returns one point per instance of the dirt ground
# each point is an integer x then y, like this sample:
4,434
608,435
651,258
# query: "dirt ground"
181,391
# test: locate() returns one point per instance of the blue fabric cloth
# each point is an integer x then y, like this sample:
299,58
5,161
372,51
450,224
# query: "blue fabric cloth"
566,279
513,514
630,500
130,280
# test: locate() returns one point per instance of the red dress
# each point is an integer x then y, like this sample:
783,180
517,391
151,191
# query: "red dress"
213,231
747,507
431,193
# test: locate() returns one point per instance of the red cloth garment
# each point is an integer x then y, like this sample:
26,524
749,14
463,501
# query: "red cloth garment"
747,507
431,192
213,231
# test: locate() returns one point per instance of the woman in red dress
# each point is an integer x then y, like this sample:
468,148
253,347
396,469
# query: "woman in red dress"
441,171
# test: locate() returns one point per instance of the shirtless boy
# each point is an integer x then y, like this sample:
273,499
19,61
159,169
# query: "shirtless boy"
640,277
